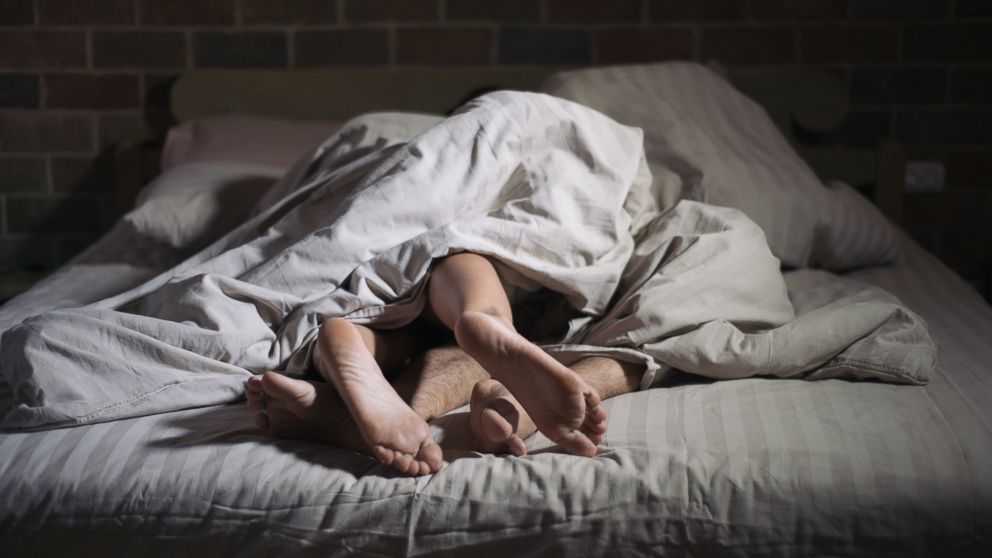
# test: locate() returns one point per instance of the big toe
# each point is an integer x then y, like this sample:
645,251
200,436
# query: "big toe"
280,386
431,454
493,426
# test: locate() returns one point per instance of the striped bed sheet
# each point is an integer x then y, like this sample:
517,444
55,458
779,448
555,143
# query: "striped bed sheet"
754,467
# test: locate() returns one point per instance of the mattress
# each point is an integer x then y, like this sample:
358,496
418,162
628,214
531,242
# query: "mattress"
755,467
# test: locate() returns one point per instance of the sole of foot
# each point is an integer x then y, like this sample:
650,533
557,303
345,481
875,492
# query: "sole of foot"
562,406
498,422
396,435
290,408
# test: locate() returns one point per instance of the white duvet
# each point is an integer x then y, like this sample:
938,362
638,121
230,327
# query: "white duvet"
558,195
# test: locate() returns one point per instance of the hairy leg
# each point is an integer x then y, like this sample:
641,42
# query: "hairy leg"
500,424
466,295
439,380
433,383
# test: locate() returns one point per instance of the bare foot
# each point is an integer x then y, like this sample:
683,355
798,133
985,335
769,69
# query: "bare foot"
498,422
562,406
289,408
396,435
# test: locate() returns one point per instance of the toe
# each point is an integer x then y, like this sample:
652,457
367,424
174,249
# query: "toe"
424,468
593,426
383,454
281,386
254,384
516,445
576,443
262,421
494,426
255,399
431,454
402,462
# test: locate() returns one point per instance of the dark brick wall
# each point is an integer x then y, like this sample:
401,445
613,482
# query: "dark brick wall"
79,76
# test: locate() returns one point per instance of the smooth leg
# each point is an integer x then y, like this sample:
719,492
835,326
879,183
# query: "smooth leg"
466,295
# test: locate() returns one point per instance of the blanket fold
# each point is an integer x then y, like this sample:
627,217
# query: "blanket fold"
557,195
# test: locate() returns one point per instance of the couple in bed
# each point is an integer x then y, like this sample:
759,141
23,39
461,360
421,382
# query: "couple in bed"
513,386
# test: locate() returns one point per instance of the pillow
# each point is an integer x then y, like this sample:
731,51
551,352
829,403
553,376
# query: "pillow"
246,139
706,141
190,206
852,232
363,134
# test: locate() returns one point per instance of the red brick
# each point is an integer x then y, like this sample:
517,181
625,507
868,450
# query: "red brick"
288,11
42,49
797,9
593,11
66,247
971,85
19,90
187,12
240,49
113,129
91,91
866,128
841,44
749,45
23,174
962,127
157,88
965,42
699,10
969,170
493,10
83,175
139,49
391,10
891,86
70,215
617,46
27,252
45,131
16,12
86,12
545,47
973,8
344,47
466,46
898,9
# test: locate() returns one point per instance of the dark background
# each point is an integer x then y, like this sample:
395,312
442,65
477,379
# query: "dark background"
79,76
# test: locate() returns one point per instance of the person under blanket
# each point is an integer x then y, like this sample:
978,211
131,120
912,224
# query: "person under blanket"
528,389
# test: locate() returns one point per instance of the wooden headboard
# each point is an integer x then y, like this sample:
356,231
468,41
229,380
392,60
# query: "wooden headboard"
809,106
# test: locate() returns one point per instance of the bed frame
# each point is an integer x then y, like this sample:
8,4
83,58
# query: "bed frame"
809,106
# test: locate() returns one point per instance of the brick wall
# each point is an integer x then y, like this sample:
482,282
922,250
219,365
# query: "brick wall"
79,76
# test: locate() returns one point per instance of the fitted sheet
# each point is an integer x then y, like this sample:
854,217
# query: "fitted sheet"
745,467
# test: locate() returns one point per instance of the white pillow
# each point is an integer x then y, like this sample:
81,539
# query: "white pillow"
190,206
706,141
852,232
355,138
241,138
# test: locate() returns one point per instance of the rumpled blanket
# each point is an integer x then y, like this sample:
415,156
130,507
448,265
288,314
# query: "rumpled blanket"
557,195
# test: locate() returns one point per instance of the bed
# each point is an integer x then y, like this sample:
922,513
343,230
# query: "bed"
755,466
